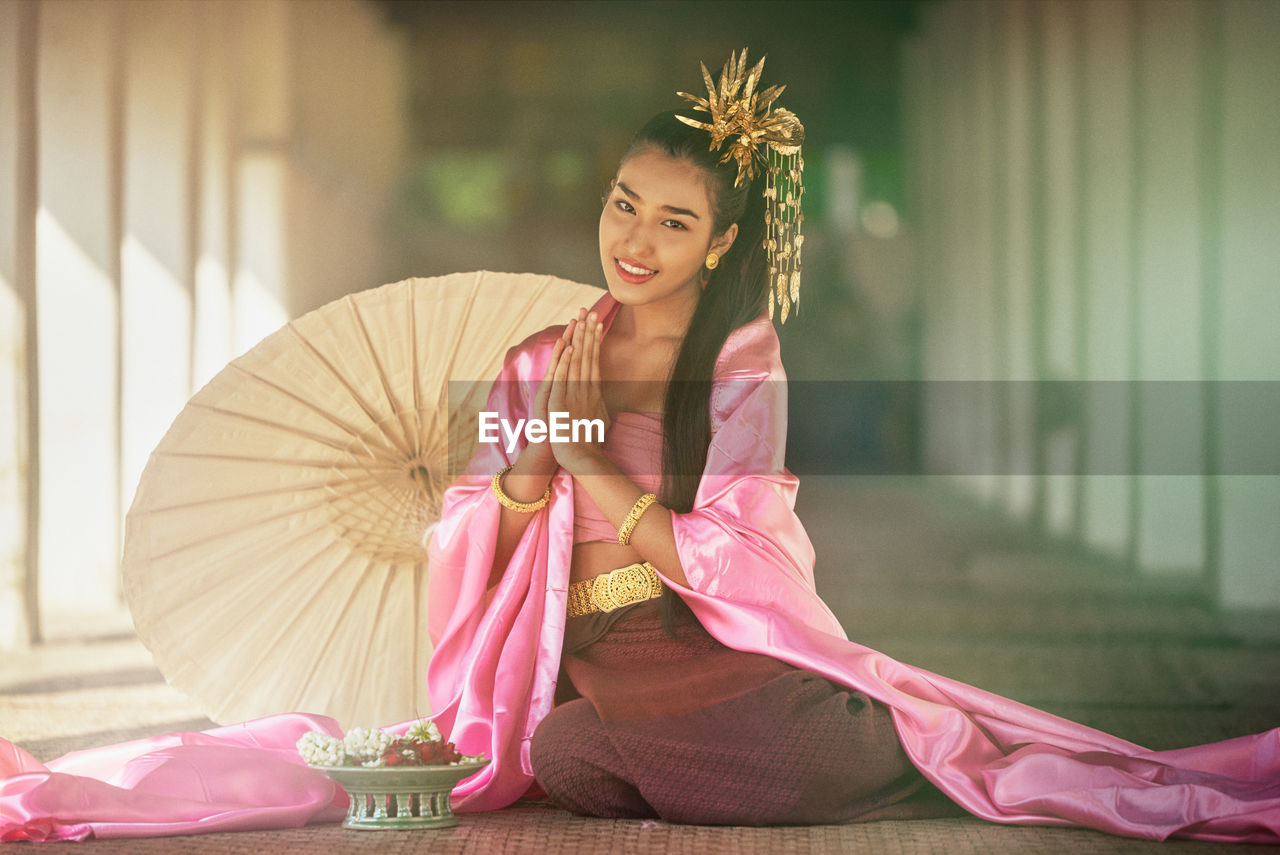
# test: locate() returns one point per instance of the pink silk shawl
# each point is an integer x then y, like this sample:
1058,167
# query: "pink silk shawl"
750,567
235,778
749,564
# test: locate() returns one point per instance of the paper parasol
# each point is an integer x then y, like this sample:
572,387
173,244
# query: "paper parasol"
274,556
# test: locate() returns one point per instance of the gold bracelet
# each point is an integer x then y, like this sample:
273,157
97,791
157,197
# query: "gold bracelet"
633,517
508,502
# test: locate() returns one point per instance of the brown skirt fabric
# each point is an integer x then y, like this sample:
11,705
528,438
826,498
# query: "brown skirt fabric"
687,730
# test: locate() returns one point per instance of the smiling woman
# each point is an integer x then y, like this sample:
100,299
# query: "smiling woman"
657,228
686,669
629,621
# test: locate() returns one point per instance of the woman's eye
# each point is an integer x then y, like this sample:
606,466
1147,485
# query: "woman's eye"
625,206
674,224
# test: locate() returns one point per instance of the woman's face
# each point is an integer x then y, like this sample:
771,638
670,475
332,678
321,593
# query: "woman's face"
656,230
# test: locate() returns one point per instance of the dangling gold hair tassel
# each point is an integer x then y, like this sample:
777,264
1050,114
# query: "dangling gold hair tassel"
750,130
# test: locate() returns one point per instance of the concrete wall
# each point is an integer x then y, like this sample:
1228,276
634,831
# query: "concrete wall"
177,179
1097,212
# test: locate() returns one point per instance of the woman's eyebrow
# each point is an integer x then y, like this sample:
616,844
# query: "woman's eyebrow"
671,209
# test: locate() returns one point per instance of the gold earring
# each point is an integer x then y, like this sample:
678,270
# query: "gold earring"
713,261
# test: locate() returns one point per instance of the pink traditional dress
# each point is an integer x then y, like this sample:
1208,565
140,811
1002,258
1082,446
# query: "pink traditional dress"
749,564
493,674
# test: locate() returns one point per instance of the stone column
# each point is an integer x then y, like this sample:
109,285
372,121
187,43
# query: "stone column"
19,376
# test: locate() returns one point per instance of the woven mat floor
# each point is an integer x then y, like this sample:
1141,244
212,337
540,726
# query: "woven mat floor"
537,829
909,570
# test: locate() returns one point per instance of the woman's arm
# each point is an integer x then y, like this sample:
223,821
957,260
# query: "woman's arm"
534,467
576,389
615,494
476,538
526,482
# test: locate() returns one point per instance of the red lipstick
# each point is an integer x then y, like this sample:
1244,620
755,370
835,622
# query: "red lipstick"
636,274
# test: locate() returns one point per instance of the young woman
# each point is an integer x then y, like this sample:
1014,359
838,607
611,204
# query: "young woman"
662,576
686,268
632,624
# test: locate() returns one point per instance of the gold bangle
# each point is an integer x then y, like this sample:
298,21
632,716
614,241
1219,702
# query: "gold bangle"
633,517
508,502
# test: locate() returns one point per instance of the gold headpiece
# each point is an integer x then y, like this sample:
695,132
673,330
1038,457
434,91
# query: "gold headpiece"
754,131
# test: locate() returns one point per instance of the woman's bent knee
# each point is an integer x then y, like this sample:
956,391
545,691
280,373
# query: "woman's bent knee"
578,767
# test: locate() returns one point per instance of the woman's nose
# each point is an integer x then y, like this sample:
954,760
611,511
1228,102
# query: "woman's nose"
637,239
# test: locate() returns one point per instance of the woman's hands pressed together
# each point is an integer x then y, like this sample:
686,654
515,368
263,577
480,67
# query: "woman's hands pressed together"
573,386
538,461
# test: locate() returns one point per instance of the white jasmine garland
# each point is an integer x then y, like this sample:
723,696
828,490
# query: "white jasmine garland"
369,747
319,749
367,744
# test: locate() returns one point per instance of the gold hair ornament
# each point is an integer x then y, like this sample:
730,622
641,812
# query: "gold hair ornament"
752,131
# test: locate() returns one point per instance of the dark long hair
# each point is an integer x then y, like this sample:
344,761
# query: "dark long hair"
735,295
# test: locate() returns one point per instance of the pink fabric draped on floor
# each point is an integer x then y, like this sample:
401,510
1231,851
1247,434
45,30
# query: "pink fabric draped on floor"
245,776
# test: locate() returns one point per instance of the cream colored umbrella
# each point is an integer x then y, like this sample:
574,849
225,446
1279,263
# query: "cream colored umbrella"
274,556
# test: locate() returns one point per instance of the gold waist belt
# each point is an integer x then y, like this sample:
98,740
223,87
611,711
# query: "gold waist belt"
615,589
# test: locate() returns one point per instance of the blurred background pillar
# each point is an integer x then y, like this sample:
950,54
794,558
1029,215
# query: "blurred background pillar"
1243,248
1170,57
80,91
163,60
1105,492
261,129
19,378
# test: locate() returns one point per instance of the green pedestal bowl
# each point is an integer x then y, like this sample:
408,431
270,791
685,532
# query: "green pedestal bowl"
400,797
